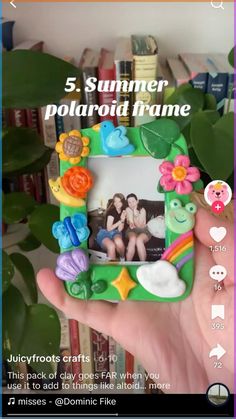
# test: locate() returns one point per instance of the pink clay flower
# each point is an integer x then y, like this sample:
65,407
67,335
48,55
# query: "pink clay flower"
179,175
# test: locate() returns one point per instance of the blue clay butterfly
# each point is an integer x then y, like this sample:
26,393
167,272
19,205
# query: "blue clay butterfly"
72,231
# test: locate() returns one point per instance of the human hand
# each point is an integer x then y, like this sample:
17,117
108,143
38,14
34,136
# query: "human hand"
172,339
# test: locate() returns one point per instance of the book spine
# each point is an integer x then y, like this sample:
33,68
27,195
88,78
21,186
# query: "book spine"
199,81
106,98
100,354
7,34
124,72
17,118
33,379
229,101
39,187
217,86
23,371
9,375
75,348
89,98
145,68
52,170
86,350
4,118
112,360
65,368
32,121
139,377
59,125
11,185
26,184
120,365
70,122
129,367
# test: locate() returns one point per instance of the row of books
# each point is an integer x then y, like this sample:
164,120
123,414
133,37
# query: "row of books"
137,58
110,368
109,362
49,131
134,58
211,73
36,184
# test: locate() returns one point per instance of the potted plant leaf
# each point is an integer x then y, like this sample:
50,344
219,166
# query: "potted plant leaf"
30,80
209,135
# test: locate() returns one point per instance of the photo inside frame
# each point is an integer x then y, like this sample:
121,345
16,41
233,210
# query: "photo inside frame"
125,210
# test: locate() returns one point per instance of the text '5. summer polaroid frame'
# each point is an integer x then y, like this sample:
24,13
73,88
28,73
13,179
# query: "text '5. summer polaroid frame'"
99,263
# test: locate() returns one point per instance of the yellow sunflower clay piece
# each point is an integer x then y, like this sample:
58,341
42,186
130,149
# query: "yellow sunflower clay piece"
72,146
123,283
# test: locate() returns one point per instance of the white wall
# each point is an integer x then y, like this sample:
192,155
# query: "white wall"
67,27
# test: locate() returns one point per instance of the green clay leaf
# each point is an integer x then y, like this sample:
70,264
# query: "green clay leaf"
198,185
157,137
84,281
99,286
160,188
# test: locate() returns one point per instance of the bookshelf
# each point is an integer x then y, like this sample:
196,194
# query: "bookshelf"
166,21
169,22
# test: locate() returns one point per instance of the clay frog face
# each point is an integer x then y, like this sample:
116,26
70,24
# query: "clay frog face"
180,219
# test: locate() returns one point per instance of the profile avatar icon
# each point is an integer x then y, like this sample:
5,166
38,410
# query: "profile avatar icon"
217,194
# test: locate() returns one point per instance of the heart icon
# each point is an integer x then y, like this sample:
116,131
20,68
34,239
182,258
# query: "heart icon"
217,233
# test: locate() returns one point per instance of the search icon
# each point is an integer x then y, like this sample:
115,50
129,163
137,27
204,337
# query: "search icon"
217,4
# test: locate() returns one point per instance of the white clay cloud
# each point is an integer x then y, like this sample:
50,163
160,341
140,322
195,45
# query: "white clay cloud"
161,279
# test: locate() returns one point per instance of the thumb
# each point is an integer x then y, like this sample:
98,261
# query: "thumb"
223,251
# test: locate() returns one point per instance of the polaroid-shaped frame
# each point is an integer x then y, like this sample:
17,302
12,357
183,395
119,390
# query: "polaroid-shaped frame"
168,279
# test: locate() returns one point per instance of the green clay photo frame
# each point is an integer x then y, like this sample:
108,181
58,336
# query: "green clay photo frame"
167,279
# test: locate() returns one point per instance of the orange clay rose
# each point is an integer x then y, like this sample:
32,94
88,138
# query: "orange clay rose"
77,181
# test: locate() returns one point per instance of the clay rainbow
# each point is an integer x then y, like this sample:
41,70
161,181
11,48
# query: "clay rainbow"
176,252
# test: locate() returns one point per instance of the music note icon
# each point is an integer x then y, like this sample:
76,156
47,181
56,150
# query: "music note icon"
11,401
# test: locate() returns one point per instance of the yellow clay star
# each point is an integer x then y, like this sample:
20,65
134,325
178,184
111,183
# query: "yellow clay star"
72,146
124,284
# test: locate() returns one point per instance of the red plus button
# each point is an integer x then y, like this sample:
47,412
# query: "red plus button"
217,207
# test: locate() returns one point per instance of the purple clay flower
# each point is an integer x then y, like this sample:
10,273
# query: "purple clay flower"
71,264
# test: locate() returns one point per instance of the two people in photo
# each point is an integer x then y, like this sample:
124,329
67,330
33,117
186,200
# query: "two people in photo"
125,221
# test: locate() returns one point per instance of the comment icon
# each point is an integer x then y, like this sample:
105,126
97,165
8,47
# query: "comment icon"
218,273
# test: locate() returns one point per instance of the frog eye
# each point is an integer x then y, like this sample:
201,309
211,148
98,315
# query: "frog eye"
190,207
175,203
